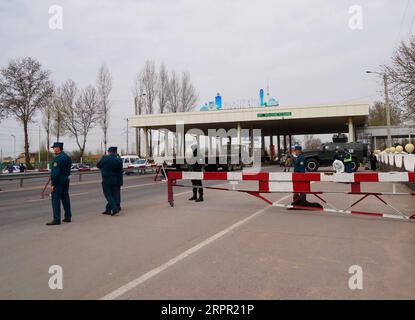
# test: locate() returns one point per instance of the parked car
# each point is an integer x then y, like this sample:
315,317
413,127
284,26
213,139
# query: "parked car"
128,160
16,169
80,167
139,166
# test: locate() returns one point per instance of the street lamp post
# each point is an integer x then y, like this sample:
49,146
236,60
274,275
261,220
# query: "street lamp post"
14,146
387,106
39,146
126,119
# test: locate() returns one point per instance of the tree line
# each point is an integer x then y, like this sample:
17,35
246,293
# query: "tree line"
160,91
400,73
26,89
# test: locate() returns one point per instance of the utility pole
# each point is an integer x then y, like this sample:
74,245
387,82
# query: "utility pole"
137,145
387,106
39,146
388,111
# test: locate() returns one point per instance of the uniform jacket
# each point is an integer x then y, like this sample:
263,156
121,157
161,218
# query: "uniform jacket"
299,163
111,169
61,169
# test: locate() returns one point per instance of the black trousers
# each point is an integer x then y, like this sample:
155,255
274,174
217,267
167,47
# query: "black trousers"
117,199
110,193
61,194
197,183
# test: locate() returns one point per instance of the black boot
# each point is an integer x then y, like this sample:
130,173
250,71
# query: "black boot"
106,212
200,199
194,194
53,223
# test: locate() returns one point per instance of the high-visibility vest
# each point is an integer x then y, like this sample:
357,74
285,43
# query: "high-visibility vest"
347,158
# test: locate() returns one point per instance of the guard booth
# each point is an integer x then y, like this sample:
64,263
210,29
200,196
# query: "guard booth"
276,124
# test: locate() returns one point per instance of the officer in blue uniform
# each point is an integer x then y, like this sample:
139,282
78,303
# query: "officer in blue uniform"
59,177
111,170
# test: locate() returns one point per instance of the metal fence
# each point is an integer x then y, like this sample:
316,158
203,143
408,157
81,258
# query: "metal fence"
33,175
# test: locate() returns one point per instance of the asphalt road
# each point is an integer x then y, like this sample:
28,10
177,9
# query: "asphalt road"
232,246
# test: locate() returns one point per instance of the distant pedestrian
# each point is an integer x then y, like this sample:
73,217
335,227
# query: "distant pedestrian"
289,160
373,161
111,171
10,168
59,178
22,167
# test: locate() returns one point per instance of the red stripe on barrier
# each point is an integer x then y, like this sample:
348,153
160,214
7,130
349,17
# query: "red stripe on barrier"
263,186
367,213
301,186
366,177
356,187
215,176
256,176
312,176
411,176
175,175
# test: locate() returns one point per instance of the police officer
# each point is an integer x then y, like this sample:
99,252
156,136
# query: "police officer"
111,169
347,160
59,177
299,166
197,184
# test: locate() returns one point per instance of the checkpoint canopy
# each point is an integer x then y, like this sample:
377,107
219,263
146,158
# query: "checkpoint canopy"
273,121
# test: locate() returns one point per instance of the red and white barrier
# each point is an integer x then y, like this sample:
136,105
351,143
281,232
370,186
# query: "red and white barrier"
288,182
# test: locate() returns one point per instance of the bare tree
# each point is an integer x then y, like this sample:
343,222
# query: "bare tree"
377,114
81,112
174,93
402,76
25,88
138,92
47,125
104,85
311,142
57,125
149,83
163,91
188,93
163,88
182,95
3,112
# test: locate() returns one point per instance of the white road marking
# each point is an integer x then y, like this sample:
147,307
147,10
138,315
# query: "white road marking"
152,273
139,185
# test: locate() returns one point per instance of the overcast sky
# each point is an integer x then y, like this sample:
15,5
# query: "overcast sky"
304,49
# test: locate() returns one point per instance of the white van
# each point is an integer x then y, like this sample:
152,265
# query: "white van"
128,160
